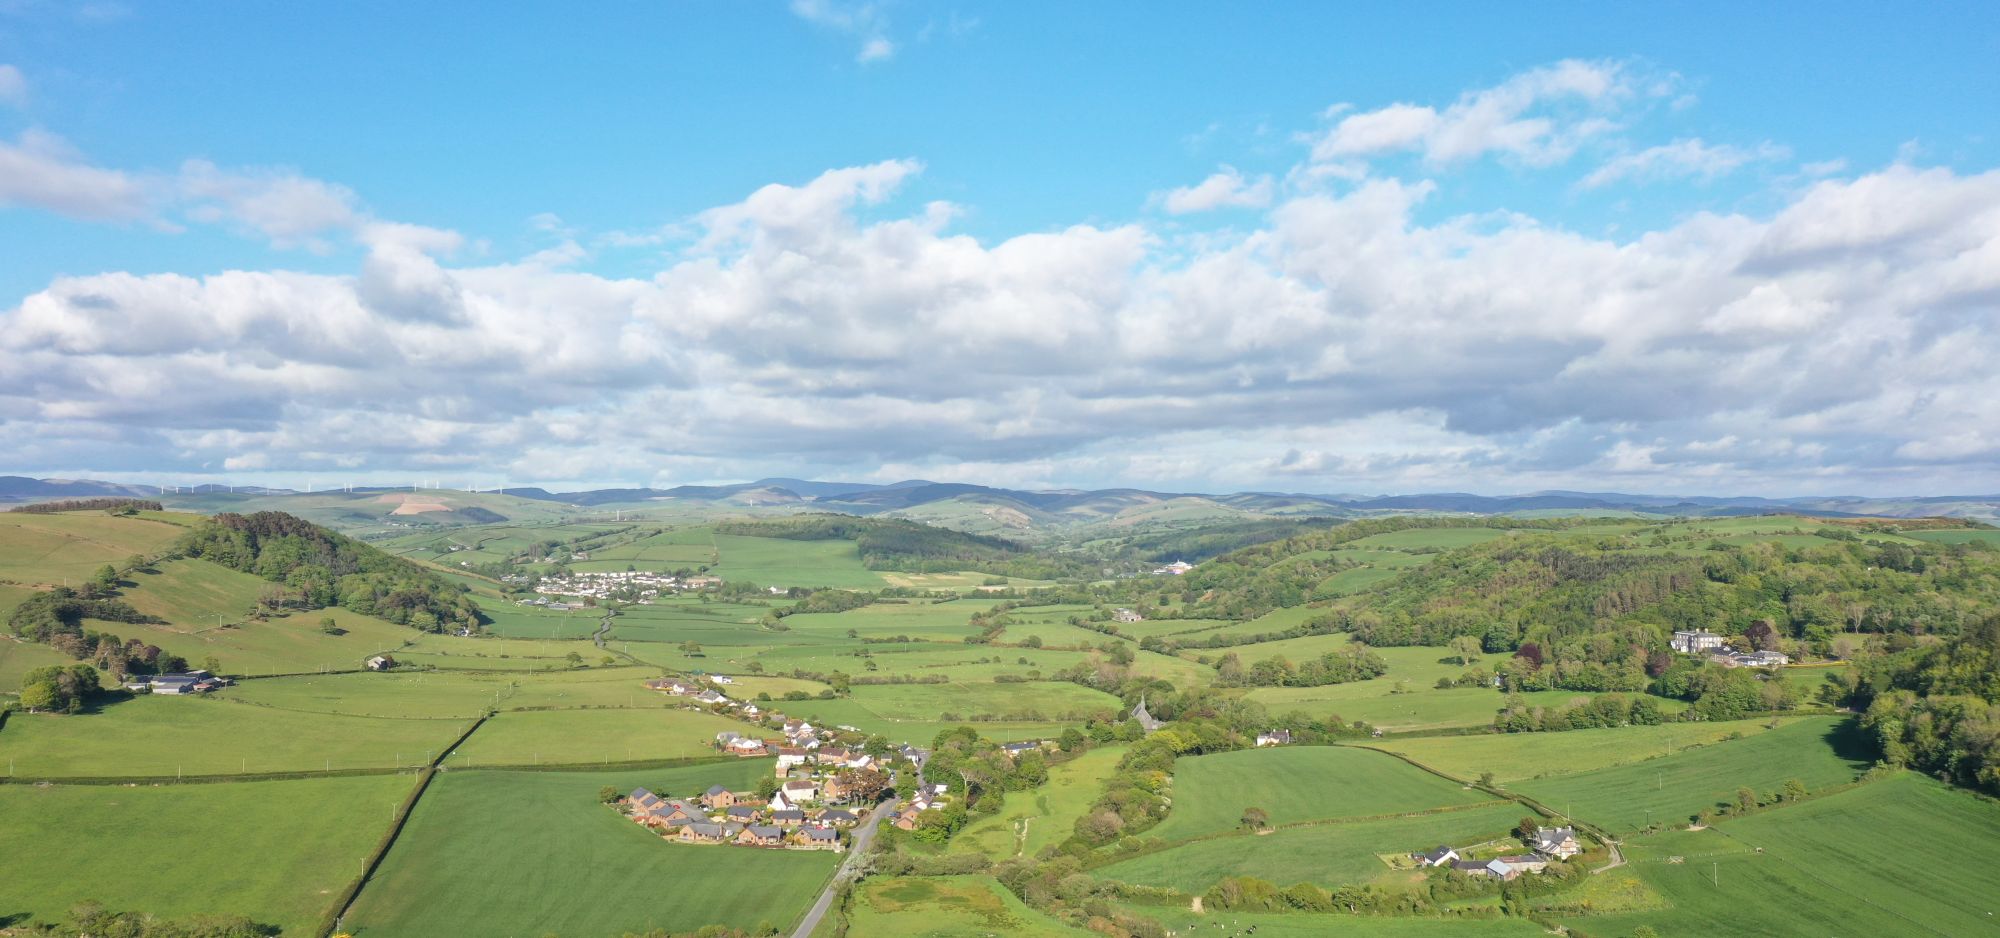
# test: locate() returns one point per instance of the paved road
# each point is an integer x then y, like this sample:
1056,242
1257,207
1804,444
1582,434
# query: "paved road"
864,834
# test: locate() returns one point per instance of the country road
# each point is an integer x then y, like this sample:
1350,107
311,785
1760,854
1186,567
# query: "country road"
864,834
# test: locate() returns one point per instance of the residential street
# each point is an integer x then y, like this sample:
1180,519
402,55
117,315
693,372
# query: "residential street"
864,834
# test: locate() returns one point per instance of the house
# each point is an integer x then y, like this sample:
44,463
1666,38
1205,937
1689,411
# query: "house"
1558,842
1439,857
669,686
740,812
914,756
1526,863
717,797
381,663
751,710
1127,615
745,746
822,837
710,697
789,756
789,817
758,835
725,738
1696,641
1015,749
721,679
645,801
1762,659
175,684
802,789
839,818
702,833
779,802
906,819
1275,738
1177,568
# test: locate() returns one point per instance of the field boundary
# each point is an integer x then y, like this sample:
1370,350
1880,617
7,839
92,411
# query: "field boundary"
331,922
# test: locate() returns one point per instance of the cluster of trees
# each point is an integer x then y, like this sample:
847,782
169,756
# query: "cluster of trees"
1352,663
1935,708
122,506
56,618
979,774
317,568
57,688
93,920
1579,714
1199,544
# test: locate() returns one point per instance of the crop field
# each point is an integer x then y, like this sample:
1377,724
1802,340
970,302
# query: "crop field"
458,868
249,847
580,737
946,907
450,694
1819,752
512,621
167,736
50,550
1330,854
1032,820
1299,783
1825,856
771,561
1514,757
666,551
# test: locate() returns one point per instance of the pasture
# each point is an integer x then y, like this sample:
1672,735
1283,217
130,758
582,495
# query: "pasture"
850,712
454,694
1418,707
1514,757
161,737
458,869
771,561
1826,857
193,594
1326,854
17,658
1820,751
946,907
284,645
1033,820
1299,783
575,737
51,550
244,847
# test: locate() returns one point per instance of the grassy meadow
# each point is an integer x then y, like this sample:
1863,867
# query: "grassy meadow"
1299,783
1033,820
51,550
566,737
1517,757
489,852
946,907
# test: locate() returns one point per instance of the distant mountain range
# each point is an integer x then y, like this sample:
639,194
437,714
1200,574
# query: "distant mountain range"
984,508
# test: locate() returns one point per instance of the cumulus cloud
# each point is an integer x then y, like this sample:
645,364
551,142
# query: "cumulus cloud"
1225,189
42,170
1681,159
1538,116
287,208
1353,339
865,21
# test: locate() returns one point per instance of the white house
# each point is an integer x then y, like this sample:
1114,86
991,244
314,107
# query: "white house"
1558,842
1442,856
1275,738
381,663
1696,641
1762,659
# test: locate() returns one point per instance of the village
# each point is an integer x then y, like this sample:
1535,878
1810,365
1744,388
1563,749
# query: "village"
639,586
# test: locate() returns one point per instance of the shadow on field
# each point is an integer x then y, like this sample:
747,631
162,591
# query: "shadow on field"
1847,741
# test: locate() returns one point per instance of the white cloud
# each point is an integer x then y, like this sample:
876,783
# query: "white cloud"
282,205
1681,159
43,171
13,86
1225,189
865,21
875,49
1538,116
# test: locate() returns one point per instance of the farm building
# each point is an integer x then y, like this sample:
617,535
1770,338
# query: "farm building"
1438,857
381,663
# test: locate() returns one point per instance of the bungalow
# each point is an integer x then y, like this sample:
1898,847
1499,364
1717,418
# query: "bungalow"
839,818
751,710
822,837
1016,749
906,819
725,738
718,797
1696,641
1558,842
702,833
1439,857
1127,615
746,746
758,835
721,679
1275,738
739,812
789,817
669,686
914,756
834,754
789,756
381,663
710,697
802,789
799,728
1526,862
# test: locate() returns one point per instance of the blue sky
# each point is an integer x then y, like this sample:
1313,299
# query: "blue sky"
152,143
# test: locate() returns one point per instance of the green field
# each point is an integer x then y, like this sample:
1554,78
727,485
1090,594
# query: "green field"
771,561
1279,925
1820,752
51,550
1299,783
569,737
534,853
278,852
17,658
1422,708
1514,757
1983,536
156,736
193,594
461,694
1827,859
1330,854
285,645
946,907
1036,819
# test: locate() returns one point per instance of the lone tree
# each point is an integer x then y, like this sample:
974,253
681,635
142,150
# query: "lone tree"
1256,819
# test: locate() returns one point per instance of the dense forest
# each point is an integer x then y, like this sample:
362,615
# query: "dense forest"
1933,706
908,547
1199,544
317,568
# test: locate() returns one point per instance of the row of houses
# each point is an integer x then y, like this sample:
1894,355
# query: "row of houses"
721,816
1549,844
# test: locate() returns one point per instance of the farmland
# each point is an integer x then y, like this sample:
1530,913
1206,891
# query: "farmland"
1298,784
1031,821
259,854
455,871
946,907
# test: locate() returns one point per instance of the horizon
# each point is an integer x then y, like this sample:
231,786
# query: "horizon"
1281,249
